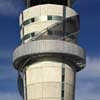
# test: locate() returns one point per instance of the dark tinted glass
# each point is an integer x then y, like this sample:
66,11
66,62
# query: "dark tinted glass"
26,37
33,34
36,2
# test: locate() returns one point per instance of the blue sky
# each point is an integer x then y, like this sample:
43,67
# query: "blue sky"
88,80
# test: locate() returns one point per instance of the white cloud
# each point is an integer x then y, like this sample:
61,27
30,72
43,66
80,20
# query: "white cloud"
92,68
88,81
9,7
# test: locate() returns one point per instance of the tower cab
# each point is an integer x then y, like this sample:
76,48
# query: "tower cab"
49,19
30,3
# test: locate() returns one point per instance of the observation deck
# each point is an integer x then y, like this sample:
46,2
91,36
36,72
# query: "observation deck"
46,33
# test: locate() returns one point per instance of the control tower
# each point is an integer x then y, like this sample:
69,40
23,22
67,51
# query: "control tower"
49,56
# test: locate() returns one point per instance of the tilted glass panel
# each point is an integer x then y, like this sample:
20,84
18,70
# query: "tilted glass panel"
37,2
60,2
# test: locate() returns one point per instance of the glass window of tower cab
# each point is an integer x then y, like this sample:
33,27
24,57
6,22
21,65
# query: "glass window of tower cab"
30,3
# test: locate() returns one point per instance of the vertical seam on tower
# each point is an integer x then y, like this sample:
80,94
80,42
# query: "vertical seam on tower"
26,85
74,85
63,82
64,16
22,27
63,65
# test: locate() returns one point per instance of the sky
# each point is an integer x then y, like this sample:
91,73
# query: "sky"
88,80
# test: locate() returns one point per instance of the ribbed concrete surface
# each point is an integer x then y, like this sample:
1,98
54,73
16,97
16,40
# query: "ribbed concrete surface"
48,46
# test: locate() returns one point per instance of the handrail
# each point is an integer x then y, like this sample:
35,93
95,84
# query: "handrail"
44,31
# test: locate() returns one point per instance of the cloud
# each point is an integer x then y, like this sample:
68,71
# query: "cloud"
10,96
88,81
10,7
92,69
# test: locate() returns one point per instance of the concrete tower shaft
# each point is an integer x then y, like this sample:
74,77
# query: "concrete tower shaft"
51,81
48,57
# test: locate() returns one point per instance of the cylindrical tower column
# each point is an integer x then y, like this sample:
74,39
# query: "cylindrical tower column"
49,80
48,57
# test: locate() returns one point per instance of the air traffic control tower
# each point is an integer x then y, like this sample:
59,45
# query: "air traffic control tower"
49,56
